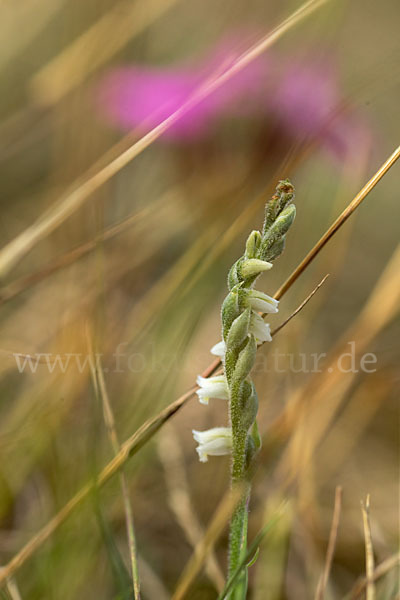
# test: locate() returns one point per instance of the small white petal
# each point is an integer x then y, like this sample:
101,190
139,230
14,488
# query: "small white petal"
212,387
202,398
259,328
213,442
262,302
219,349
202,455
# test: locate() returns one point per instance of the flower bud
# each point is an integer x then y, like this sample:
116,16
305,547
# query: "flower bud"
252,267
230,310
234,277
276,249
277,230
284,194
252,244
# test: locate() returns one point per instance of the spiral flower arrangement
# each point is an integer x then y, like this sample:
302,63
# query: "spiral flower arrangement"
243,329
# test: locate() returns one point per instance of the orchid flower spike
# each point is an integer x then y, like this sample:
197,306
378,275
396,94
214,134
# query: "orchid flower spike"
212,387
242,330
213,442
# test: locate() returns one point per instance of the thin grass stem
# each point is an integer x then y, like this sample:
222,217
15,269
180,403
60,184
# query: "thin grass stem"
331,545
369,551
101,389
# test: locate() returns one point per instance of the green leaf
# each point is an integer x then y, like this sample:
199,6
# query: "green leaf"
245,360
253,560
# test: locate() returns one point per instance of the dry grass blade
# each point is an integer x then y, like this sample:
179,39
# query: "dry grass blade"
101,391
381,570
218,523
89,52
369,552
164,289
12,590
342,218
331,545
128,448
73,199
301,306
31,19
366,400
306,417
20,285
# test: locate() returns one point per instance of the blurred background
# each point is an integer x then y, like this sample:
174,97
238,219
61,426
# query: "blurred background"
136,273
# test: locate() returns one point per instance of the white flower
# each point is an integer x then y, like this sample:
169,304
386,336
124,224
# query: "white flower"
261,302
219,349
259,328
212,387
213,442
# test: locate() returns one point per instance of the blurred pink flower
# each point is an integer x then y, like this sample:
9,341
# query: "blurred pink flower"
308,103
142,97
302,97
305,97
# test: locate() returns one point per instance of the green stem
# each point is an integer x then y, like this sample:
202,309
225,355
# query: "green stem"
238,525
238,532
